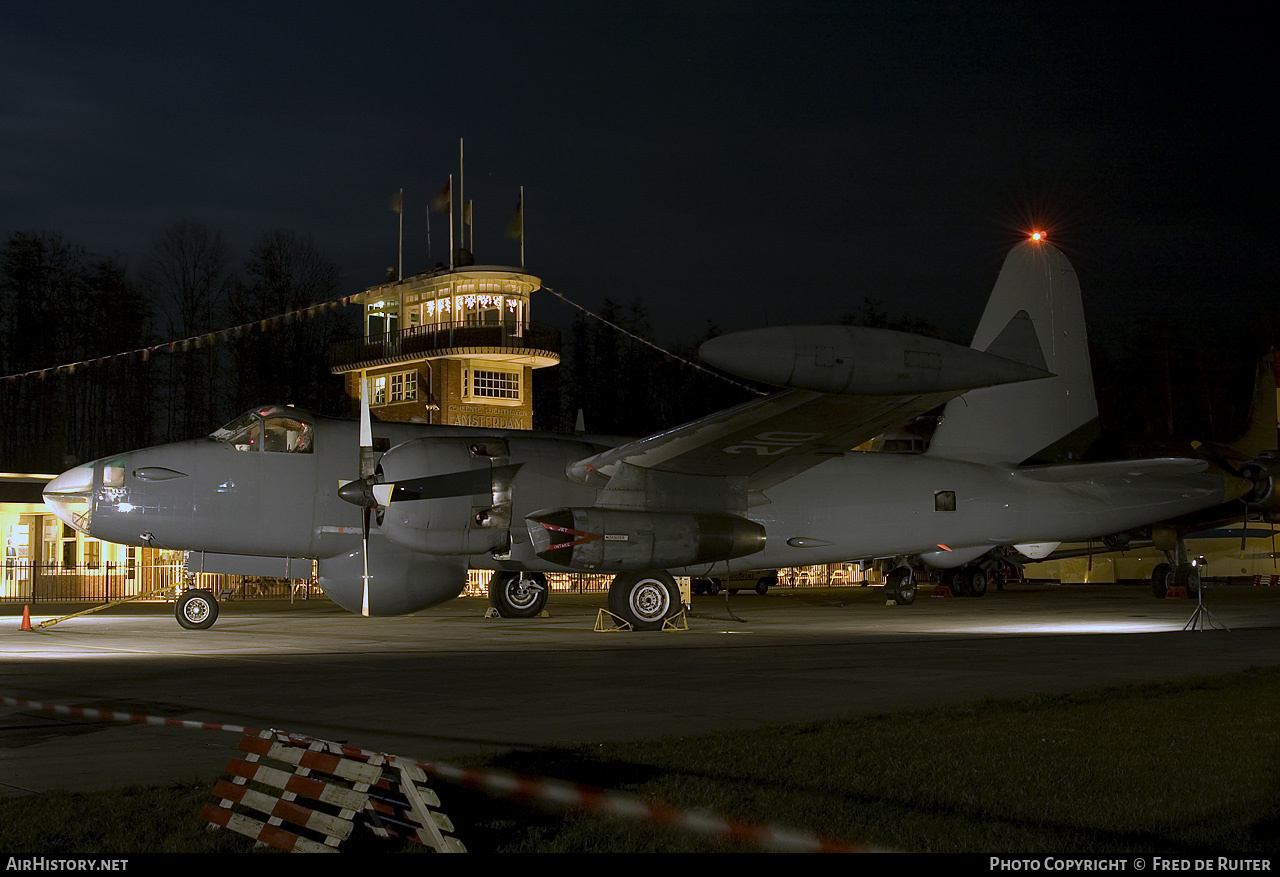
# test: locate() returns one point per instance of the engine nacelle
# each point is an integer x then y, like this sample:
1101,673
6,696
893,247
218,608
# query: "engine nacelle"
609,539
1264,497
400,581
448,495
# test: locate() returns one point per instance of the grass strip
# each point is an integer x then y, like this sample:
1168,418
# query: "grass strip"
1166,768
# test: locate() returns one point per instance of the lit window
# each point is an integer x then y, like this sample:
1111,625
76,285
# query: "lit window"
488,384
495,384
404,387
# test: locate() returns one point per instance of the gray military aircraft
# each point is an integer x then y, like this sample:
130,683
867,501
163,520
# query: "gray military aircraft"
395,517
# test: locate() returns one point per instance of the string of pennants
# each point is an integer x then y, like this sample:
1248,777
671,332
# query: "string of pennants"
632,335
194,342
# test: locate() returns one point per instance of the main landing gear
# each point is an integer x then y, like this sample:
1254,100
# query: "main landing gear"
644,599
967,581
1178,571
518,594
900,586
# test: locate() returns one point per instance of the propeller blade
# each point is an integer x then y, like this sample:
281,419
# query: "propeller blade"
367,467
366,430
364,552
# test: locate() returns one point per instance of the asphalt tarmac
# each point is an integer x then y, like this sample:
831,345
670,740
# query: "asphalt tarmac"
448,685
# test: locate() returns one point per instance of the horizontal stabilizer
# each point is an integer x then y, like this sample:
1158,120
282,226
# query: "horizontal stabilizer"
1114,470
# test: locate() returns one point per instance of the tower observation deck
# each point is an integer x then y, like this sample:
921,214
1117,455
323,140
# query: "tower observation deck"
452,346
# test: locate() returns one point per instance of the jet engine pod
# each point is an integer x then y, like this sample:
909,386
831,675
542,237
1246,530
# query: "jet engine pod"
400,581
593,538
447,495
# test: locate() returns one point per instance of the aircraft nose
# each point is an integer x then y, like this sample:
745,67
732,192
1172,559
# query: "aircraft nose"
68,495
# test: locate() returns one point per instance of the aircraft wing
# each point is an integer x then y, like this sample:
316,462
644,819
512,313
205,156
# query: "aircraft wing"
844,385
767,440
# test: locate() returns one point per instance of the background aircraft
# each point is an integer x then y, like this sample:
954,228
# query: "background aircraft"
394,518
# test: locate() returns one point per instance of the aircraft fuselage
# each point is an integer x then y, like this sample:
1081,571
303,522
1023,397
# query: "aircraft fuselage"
208,496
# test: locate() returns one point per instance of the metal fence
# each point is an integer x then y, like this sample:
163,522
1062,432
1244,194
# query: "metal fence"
823,576
37,583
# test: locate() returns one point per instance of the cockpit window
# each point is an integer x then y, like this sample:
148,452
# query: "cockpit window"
287,435
244,433
268,429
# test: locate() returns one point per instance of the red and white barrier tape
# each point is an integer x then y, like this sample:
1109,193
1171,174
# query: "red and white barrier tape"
502,783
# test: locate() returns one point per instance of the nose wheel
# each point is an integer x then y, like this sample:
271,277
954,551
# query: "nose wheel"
196,609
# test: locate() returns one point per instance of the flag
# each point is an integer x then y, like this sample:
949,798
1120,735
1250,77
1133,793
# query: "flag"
397,202
466,214
441,203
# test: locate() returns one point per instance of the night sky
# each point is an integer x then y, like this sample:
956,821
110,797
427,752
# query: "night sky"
736,162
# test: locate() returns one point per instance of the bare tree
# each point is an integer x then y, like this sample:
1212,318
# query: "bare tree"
188,275
285,274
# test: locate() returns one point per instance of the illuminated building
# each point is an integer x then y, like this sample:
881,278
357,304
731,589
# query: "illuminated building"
452,346
46,559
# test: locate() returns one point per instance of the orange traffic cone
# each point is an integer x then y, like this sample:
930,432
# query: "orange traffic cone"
26,618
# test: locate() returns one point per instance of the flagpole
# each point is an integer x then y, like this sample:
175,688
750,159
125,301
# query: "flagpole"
522,226
400,262
462,201
450,222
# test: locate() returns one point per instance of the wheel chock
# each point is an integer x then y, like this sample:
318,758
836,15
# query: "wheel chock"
1176,593
607,622
491,612
676,622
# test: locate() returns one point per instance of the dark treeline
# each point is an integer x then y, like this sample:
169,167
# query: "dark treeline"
624,387
60,304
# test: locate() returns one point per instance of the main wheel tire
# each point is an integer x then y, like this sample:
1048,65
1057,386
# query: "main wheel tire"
1187,575
518,594
644,600
976,579
196,609
901,587
1161,578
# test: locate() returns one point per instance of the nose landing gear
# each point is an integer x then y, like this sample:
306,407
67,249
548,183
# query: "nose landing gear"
196,609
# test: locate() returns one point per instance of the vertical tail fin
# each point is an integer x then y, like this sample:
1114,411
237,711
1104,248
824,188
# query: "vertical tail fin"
1263,431
1034,316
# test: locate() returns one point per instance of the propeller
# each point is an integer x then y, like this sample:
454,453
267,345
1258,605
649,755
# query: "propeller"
362,491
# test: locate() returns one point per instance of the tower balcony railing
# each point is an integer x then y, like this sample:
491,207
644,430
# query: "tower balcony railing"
445,338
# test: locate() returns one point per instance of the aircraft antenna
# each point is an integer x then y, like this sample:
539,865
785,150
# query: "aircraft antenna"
645,341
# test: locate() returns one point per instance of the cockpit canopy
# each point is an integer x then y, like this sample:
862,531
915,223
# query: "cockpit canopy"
276,429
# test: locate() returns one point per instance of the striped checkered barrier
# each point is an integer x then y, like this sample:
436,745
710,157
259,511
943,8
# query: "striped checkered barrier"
389,804
317,799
